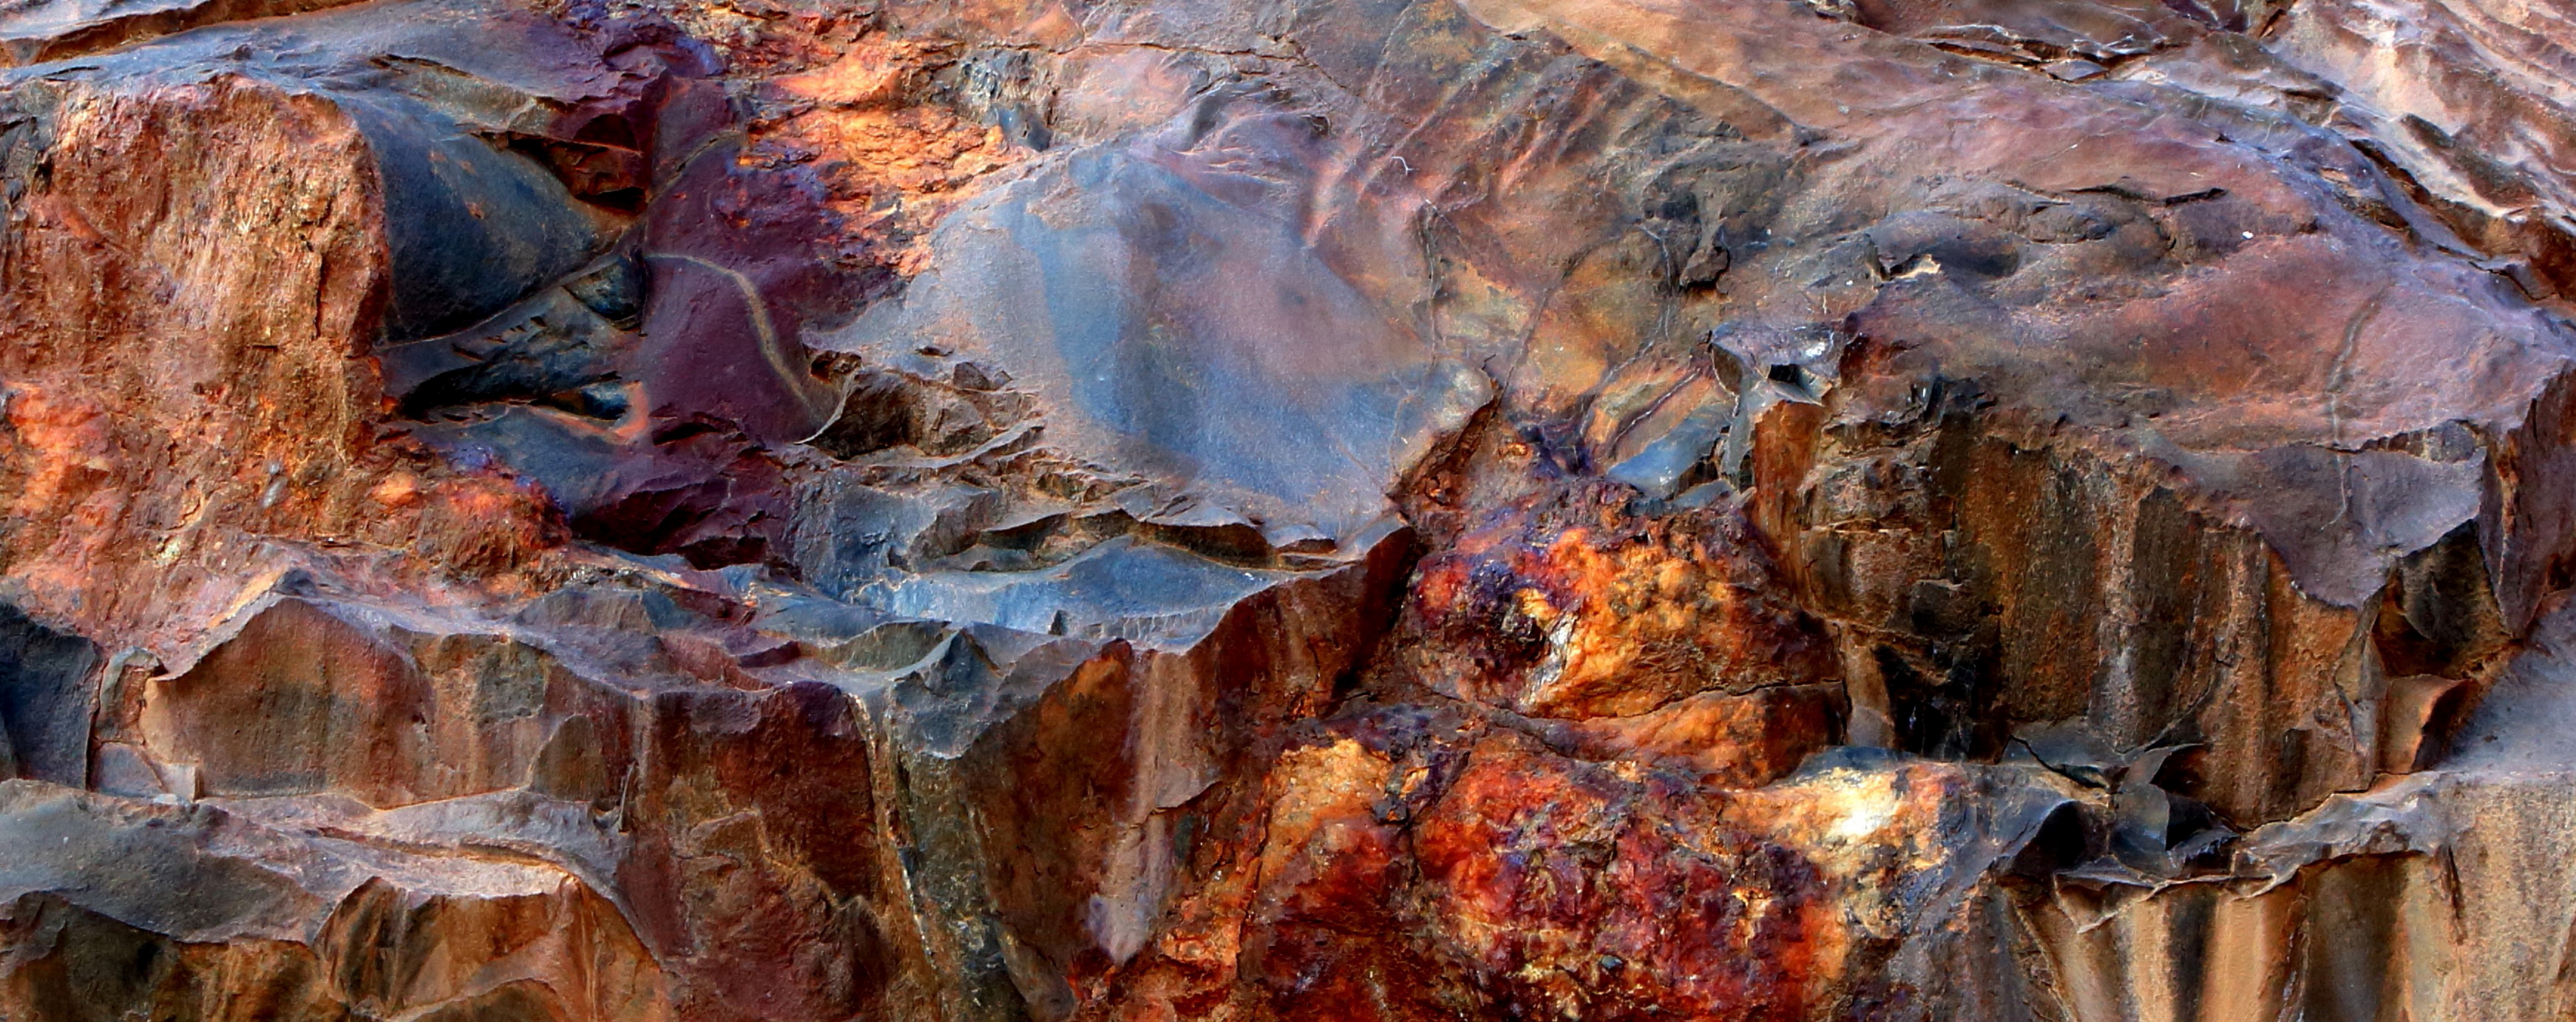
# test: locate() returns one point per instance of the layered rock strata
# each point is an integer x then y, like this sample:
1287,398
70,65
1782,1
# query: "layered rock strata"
1300,509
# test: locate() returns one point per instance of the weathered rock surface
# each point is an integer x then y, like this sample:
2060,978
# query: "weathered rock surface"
1287,509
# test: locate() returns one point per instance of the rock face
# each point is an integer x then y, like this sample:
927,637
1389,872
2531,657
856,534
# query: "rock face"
1287,509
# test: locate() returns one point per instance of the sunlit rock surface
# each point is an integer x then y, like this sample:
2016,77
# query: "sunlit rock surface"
1287,509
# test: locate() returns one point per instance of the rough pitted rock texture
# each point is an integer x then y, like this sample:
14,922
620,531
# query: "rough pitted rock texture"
963,510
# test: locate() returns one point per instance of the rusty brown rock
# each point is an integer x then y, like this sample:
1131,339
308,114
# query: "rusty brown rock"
1588,611
1286,509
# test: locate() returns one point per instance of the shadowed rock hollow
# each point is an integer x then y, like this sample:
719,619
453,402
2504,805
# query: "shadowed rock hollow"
1287,509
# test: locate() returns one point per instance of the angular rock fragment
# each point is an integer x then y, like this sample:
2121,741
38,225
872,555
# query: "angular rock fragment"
205,912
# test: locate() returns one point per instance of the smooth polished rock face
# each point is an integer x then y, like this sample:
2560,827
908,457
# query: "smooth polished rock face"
1287,509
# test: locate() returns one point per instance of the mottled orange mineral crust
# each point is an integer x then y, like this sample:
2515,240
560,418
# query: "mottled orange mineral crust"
892,165
169,399
1582,609
1329,938
1570,890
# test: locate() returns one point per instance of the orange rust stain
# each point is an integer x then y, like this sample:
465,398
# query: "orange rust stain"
1581,610
893,164
401,489
1732,741
183,422
1571,891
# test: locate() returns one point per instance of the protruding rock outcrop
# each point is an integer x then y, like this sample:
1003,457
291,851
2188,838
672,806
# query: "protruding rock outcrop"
1311,509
